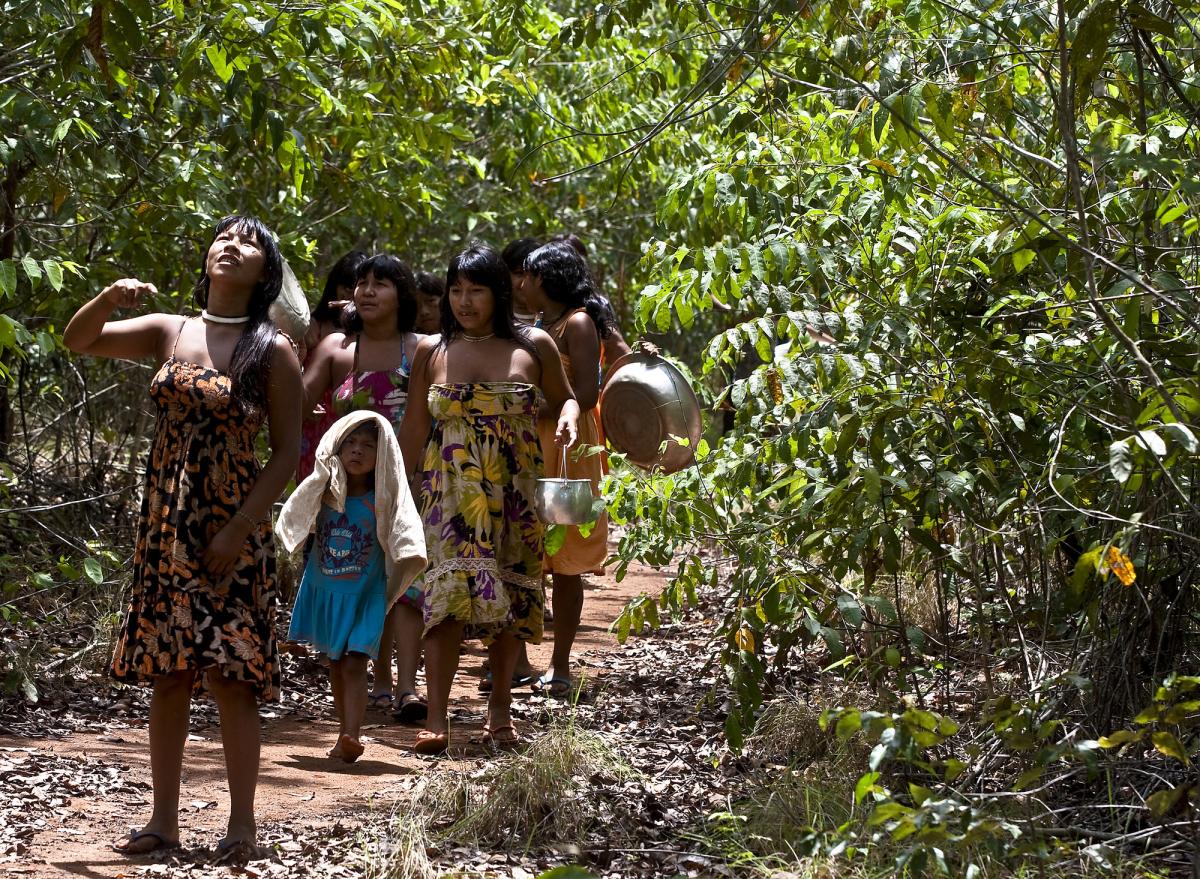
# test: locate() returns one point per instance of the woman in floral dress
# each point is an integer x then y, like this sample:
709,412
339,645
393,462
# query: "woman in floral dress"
202,608
368,367
470,438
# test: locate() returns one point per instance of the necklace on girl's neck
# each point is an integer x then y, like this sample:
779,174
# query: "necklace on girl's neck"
471,338
551,321
223,319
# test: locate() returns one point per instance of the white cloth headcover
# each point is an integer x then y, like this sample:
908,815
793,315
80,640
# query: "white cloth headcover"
398,525
290,311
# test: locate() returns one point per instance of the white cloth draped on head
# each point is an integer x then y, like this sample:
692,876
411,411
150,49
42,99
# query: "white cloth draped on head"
397,523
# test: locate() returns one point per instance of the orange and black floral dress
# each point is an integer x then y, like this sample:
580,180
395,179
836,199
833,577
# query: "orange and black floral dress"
202,464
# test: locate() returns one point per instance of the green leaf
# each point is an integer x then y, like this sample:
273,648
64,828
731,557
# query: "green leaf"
1121,737
850,610
60,130
54,274
1120,460
556,536
1183,435
93,570
1090,46
32,270
886,812
1142,18
1022,258
566,872
1172,213
849,722
733,731
1151,442
919,793
1162,803
1028,777
1083,582
217,58
865,786
1167,744
8,277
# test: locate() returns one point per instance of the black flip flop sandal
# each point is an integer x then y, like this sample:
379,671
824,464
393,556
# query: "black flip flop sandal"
162,844
412,708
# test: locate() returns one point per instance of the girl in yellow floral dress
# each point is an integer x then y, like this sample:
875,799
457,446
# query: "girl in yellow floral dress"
470,438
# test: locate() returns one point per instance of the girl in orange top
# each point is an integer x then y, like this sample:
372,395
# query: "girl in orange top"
559,284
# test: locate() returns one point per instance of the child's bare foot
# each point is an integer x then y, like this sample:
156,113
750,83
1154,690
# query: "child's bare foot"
351,749
336,750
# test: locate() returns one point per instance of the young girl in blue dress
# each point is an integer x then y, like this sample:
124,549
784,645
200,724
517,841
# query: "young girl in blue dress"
369,547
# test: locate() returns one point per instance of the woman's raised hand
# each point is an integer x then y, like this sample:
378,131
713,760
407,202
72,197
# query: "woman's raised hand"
128,293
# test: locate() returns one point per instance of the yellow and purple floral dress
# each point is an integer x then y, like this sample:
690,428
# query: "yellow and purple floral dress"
478,475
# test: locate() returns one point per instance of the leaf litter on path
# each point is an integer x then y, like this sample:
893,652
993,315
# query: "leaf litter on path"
661,723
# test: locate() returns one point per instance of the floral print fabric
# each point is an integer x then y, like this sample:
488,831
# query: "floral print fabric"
201,465
478,475
384,391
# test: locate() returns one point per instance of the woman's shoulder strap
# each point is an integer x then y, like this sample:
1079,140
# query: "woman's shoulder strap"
183,322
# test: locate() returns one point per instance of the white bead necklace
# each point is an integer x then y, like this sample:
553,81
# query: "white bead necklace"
222,319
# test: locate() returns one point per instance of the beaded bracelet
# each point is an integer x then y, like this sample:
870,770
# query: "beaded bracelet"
239,514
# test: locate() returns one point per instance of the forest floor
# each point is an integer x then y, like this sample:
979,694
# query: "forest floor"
74,773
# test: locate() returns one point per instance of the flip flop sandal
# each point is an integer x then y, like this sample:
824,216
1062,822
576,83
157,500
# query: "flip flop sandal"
162,844
412,708
518,680
380,702
490,739
431,743
351,749
555,687
239,852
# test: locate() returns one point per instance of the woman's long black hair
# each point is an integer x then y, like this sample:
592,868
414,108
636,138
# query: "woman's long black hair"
250,366
389,268
343,274
481,264
566,278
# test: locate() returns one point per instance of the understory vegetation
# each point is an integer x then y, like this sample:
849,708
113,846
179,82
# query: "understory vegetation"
932,267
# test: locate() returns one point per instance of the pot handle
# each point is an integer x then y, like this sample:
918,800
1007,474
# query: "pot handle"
562,470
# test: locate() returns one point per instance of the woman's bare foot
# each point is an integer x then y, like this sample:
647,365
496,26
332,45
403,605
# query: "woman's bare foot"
336,751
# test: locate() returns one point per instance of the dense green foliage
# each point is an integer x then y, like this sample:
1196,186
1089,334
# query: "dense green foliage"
935,264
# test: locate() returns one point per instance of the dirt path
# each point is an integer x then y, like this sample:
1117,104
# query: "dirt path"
298,784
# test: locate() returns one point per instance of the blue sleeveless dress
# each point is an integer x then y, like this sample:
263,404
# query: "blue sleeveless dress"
342,601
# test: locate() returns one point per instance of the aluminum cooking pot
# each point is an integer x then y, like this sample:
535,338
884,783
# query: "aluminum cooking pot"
564,501
645,402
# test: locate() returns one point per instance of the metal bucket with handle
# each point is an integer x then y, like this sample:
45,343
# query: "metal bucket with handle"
563,501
